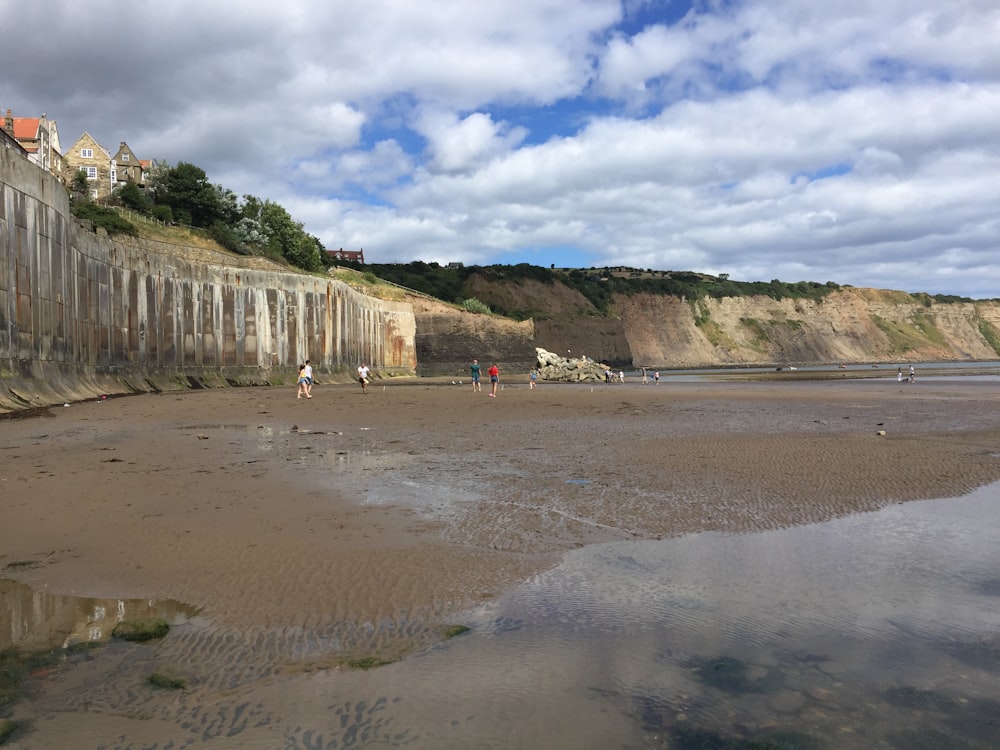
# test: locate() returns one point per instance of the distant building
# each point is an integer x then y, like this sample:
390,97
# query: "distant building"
91,157
357,256
39,138
129,168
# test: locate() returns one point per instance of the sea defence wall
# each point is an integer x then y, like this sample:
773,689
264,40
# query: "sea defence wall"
83,315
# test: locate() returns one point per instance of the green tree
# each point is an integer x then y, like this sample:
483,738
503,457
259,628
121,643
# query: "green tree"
130,196
80,183
287,238
187,191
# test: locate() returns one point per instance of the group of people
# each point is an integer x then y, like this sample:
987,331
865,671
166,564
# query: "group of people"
610,377
494,375
900,377
475,370
305,380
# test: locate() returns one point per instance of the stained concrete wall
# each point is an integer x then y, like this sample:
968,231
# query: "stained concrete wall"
82,315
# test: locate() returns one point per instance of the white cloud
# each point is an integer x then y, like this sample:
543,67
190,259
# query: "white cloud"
458,145
853,142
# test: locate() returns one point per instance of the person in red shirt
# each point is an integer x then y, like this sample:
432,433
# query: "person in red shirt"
494,373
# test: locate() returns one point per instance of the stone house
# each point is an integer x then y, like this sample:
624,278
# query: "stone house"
129,168
91,157
39,137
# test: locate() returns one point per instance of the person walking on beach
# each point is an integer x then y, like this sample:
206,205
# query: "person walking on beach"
363,377
303,383
309,379
899,374
912,374
474,368
532,377
656,377
494,373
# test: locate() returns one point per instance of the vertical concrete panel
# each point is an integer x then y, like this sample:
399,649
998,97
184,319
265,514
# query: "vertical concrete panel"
171,356
134,327
7,297
104,327
69,296
206,347
246,328
188,326
118,318
154,325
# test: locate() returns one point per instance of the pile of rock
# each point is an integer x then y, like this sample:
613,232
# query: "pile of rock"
568,369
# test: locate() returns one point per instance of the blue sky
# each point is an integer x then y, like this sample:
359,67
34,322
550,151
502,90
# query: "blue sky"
782,139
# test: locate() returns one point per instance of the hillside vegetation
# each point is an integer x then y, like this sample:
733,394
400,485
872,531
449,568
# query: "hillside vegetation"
599,286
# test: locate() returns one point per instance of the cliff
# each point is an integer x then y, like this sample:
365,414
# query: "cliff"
849,325
661,331
448,339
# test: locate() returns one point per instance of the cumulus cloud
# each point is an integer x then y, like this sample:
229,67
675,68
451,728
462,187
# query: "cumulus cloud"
786,139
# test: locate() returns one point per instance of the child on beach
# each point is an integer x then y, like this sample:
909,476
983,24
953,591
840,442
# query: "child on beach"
303,382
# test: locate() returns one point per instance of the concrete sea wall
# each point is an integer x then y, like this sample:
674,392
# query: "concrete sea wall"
83,315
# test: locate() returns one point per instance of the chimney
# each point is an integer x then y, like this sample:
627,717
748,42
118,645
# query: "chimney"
8,123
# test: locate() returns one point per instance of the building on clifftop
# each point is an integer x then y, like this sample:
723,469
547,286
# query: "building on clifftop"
39,137
92,158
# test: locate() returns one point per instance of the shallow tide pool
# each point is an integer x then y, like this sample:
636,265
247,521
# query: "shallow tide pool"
879,630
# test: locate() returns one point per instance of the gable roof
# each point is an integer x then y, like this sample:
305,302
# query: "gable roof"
26,127
86,140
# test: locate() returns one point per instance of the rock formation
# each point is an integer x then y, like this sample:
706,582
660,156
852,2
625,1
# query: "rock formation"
568,369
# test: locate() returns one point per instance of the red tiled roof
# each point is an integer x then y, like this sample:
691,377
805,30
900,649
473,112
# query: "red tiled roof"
26,127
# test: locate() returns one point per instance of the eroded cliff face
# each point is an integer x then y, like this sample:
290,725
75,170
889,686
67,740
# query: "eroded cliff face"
448,339
848,325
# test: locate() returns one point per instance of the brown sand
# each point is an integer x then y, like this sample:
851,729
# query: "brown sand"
371,519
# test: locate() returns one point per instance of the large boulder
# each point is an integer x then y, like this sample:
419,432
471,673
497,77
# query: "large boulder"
568,369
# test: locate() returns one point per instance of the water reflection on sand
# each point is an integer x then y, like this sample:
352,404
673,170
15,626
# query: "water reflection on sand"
879,630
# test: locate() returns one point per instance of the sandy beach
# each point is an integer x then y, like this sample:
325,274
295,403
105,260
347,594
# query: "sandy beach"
360,524
262,509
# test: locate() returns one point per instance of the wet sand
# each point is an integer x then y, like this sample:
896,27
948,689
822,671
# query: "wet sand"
264,509
308,532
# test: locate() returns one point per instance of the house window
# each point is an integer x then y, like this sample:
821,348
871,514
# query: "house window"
86,153
124,157
91,173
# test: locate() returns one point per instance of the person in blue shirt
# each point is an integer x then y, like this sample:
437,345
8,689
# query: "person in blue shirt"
475,368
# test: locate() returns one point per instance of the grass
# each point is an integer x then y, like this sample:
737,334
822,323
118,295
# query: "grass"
141,630
368,662
990,333
452,631
166,681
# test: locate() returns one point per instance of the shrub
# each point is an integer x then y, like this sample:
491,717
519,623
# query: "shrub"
474,306
104,218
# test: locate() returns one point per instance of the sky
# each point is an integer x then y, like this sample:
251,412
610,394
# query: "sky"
856,142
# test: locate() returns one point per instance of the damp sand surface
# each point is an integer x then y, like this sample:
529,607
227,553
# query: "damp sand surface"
295,540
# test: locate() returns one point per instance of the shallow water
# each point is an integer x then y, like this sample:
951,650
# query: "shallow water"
880,630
